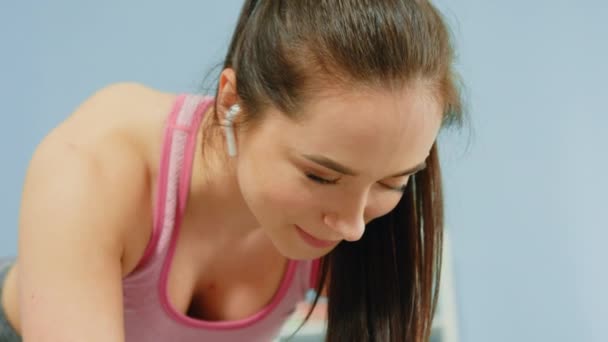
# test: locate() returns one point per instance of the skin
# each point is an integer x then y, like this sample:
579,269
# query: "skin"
248,205
373,132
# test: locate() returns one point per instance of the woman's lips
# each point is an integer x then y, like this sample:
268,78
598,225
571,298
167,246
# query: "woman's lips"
313,241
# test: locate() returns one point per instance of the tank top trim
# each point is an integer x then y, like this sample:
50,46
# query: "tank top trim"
161,186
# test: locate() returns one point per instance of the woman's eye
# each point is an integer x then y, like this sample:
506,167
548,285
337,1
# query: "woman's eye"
320,180
400,189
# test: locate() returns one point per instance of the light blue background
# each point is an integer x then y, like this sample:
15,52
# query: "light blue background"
526,194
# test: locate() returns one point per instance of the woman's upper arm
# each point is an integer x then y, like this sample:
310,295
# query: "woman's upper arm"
76,208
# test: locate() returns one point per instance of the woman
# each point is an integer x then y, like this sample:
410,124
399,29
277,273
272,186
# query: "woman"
149,216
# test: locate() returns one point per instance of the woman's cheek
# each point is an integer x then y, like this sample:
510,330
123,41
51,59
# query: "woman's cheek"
289,195
285,193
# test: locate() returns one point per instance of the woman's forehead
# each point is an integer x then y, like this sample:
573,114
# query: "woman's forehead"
373,115
369,127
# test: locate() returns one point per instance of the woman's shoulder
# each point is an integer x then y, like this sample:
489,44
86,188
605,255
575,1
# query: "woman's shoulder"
125,117
127,112
111,144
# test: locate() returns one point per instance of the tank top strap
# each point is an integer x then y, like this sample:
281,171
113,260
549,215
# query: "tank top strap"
175,170
176,162
189,121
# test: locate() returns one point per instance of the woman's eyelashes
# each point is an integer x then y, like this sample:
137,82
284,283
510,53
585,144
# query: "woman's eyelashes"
400,189
324,181
321,180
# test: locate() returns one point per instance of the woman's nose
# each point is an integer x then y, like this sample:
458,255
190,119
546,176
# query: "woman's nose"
350,228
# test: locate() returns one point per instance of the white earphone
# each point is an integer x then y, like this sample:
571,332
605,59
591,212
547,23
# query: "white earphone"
229,129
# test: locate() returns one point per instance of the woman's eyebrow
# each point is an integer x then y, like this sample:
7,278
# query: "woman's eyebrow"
334,165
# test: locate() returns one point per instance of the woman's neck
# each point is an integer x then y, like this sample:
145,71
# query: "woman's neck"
215,201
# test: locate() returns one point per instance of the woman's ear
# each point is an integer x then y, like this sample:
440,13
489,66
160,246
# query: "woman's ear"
228,109
227,94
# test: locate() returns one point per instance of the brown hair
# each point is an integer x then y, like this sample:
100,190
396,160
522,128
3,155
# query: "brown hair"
383,287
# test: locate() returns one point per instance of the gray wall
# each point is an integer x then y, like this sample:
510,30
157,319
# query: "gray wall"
525,200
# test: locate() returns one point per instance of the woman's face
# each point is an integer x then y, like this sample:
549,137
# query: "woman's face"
318,181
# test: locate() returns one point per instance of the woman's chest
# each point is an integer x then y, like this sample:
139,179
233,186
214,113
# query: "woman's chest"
222,284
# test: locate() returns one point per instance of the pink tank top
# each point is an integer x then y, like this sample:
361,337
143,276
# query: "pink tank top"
148,314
